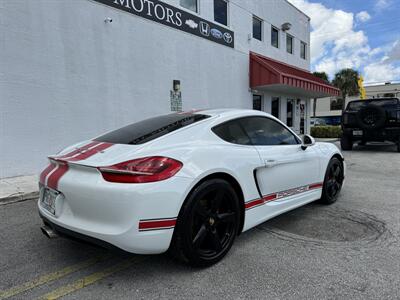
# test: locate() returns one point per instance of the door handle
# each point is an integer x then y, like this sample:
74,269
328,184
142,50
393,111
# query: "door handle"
269,163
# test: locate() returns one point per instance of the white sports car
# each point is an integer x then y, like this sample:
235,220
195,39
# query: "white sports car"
188,182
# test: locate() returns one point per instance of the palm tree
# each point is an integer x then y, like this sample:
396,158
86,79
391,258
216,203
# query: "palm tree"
324,77
346,80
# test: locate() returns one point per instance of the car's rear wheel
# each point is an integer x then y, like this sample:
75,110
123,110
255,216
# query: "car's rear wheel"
346,142
207,224
333,181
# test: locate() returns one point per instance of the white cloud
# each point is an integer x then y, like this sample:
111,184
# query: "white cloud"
363,16
336,44
379,73
331,27
393,54
382,4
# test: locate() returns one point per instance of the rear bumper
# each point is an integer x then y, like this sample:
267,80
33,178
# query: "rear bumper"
137,218
75,235
384,134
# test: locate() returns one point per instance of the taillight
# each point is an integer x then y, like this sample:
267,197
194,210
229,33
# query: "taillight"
147,169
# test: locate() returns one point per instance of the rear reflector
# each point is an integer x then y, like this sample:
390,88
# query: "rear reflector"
147,169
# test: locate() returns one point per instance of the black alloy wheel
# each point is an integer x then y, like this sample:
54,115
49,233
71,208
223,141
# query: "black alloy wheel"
333,181
208,224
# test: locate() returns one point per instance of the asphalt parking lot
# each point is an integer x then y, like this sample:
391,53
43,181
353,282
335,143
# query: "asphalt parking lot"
349,250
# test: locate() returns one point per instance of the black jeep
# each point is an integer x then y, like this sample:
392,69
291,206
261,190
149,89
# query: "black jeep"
371,120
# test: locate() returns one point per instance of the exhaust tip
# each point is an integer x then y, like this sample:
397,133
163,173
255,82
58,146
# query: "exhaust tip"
49,232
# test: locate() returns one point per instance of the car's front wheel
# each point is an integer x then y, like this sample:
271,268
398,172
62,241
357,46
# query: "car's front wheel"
208,224
333,181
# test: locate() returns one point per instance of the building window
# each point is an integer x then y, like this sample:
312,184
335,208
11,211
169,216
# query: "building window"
275,107
389,95
336,103
289,44
221,11
257,102
289,112
257,28
190,4
303,50
274,37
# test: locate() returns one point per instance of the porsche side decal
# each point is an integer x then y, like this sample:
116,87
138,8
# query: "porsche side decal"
282,194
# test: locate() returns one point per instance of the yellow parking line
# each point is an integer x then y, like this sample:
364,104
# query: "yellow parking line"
92,278
50,277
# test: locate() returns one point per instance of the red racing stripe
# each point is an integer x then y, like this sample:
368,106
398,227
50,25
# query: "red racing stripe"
315,186
270,197
54,178
253,203
77,151
90,152
43,175
156,224
261,201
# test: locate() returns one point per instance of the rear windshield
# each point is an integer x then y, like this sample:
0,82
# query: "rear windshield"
356,105
150,129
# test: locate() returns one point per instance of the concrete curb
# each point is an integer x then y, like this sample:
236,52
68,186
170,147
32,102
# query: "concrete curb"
18,188
18,197
329,140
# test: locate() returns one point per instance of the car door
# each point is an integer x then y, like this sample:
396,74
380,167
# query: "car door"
287,172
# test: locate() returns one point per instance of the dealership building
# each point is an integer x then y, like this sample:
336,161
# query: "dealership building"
70,70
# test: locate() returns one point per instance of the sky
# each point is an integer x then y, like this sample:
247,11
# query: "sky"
359,34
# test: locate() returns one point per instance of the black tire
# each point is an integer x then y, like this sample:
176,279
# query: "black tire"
333,181
207,224
346,142
371,117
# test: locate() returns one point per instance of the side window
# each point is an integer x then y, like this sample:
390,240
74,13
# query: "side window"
221,11
264,131
274,37
189,4
303,50
232,132
257,28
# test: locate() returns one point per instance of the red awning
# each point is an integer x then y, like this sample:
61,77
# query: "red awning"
271,75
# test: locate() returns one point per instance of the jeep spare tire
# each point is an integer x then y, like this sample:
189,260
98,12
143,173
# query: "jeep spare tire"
371,117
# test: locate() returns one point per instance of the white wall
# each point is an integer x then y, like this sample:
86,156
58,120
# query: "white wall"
66,75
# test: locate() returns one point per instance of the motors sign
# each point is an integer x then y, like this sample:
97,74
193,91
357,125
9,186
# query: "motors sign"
171,16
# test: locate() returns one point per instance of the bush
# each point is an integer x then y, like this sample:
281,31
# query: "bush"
326,131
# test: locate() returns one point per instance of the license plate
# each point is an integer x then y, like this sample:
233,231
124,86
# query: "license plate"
48,199
357,132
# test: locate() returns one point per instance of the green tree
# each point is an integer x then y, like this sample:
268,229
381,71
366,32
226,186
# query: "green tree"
324,77
346,81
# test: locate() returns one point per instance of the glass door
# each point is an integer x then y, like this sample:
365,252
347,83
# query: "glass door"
303,115
289,112
257,102
275,107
